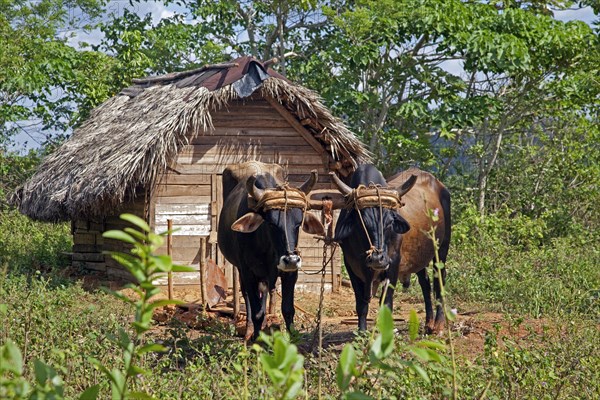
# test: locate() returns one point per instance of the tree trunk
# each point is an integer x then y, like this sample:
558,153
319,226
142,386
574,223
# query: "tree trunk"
485,167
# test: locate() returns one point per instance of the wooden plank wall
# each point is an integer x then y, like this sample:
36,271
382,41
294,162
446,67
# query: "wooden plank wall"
88,243
190,193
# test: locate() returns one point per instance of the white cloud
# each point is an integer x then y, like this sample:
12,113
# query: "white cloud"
156,9
585,14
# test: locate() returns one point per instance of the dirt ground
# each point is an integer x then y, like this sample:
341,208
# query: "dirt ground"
339,319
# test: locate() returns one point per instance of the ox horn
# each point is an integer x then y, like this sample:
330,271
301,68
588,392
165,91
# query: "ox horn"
255,192
406,186
307,186
342,187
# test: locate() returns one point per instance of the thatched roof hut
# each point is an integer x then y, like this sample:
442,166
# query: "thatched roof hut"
132,138
158,149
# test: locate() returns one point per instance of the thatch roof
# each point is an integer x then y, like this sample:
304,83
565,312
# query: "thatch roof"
129,140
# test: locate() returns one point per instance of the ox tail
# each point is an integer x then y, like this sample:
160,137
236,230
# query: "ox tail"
445,244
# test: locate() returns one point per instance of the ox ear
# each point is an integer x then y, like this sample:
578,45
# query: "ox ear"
312,225
248,223
399,224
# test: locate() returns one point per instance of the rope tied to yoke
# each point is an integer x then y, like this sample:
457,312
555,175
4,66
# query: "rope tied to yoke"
282,198
373,196
327,220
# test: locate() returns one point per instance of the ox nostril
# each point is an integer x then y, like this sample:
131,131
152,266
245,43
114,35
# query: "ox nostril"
291,259
289,263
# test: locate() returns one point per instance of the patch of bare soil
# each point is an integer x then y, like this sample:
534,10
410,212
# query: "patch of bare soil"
340,322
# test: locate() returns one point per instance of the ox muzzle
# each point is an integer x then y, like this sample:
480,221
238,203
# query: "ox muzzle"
290,262
377,260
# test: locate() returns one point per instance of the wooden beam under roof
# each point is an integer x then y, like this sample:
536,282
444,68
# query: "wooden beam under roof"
315,144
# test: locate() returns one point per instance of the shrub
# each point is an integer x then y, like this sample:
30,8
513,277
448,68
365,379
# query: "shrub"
27,245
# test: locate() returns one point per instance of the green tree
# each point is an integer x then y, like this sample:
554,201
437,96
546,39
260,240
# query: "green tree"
46,84
446,83
142,47
14,170
206,31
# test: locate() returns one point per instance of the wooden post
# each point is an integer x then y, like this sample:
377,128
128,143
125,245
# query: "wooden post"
170,253
202,272
236,293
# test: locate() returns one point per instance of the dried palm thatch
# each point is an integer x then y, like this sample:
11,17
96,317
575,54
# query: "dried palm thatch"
130,140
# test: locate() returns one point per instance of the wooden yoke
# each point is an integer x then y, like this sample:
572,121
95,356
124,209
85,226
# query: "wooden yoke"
316,197
373,196
327,201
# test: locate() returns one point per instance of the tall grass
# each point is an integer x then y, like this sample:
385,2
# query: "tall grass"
56,320
28,246
508,265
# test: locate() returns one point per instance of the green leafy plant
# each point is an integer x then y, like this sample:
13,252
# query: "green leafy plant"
283,364
380,358
145,267
13,385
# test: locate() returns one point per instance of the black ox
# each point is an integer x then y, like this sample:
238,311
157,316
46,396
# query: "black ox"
258,233
374,235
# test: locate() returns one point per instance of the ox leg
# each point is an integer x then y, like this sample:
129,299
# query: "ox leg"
263,291
426,289
392,277
271,309
440,318
254,313
249,325
362,295
272,301
288,282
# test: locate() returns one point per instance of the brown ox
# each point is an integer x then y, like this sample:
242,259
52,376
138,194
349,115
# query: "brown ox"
417,250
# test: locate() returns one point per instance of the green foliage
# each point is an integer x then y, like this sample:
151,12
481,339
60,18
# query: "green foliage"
39,318
45,83
551,178
425,82
145,267
561,364
12,384
387,360
14,170
29,246
142,47
285,367
508,264
504,228
558,280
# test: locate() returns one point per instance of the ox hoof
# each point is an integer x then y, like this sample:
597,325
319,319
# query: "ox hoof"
439,327
292,329
250,335
436,328
430,328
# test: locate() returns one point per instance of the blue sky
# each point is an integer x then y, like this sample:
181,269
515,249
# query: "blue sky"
158,10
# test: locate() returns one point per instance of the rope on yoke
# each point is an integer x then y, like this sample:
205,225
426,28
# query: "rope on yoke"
327,219
282,198
373,196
